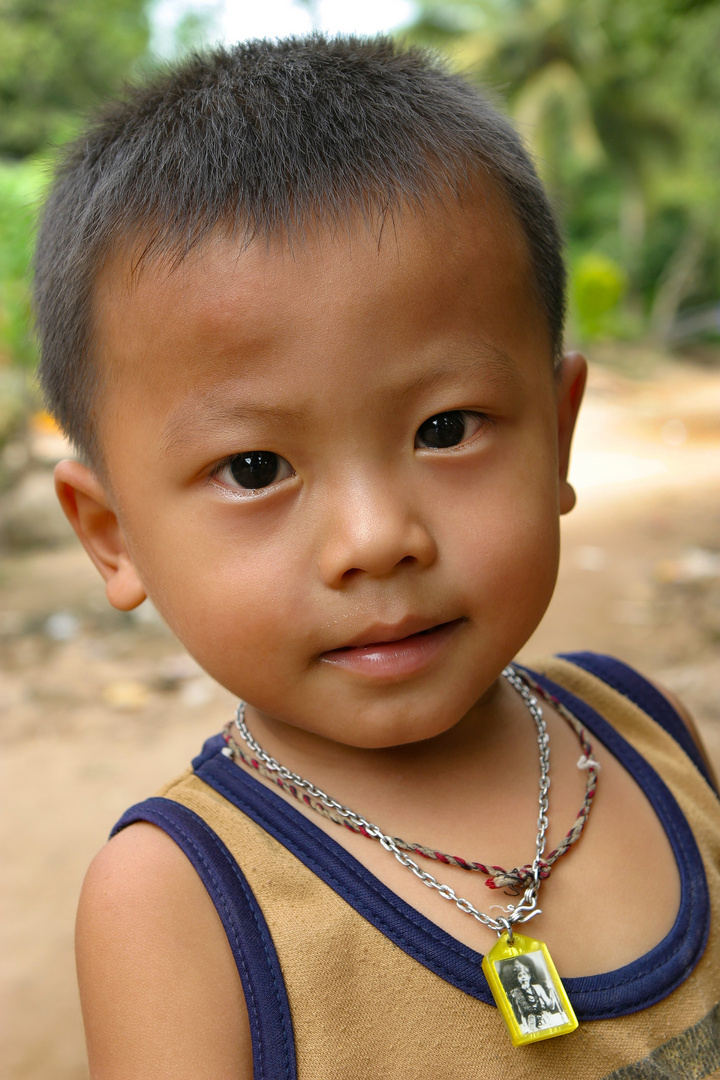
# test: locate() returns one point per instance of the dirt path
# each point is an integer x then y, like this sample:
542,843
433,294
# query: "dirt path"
640,578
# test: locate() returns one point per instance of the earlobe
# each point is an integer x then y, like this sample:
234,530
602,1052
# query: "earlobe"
571,386
89,510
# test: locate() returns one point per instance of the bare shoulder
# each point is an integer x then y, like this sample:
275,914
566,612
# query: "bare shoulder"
687,718
160,992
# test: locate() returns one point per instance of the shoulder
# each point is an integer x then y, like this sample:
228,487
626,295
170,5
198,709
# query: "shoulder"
160,991
687,719
651,697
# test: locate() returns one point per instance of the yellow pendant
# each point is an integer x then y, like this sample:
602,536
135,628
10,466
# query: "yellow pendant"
527,990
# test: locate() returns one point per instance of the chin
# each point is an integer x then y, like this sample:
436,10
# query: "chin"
379,736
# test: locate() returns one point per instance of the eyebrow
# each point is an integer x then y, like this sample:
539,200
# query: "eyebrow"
496,366
184,422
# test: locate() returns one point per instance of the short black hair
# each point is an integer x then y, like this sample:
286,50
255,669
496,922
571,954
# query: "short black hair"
263,139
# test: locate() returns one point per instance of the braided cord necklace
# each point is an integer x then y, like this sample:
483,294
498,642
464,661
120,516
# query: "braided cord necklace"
501,963
512,881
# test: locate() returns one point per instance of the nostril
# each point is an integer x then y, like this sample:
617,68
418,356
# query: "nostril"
376,545
379,571
348,575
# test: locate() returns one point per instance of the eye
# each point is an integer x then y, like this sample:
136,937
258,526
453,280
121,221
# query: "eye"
448,429
254,469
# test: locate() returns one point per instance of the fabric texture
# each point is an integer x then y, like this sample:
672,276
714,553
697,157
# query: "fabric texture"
346,981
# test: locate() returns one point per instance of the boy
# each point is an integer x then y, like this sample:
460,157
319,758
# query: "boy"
301,308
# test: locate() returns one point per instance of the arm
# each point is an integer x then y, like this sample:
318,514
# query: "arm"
160,992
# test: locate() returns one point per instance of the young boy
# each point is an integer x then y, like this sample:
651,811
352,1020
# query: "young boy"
301,307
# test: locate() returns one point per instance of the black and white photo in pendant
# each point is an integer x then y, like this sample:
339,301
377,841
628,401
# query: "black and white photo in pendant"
530,991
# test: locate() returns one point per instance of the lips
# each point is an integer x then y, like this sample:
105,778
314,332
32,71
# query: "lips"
381,634
394,652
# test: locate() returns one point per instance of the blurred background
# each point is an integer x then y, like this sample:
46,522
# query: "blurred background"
619,100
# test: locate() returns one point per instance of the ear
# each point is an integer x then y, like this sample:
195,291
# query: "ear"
89,510
571,385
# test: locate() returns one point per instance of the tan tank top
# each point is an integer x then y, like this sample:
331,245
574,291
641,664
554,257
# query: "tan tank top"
343,980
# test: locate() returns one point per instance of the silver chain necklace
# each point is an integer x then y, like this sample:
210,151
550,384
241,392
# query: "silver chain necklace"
513,913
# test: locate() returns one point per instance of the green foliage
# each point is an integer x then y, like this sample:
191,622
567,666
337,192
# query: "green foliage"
618,100
20,188
598,286
59,57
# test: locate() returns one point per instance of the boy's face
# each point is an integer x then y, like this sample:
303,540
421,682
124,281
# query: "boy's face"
337,470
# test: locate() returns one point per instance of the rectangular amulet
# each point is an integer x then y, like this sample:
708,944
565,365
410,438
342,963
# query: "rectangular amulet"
527,990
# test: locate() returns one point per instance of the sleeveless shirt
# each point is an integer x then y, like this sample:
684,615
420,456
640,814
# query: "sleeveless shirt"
343,980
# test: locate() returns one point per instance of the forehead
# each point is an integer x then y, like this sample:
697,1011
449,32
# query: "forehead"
226,312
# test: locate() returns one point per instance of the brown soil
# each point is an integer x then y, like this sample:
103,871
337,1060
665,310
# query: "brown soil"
98,708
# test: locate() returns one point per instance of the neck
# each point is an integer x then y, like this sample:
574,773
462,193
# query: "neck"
366,778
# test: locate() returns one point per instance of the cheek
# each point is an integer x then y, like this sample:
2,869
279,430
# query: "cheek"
229,607
516,559
505,549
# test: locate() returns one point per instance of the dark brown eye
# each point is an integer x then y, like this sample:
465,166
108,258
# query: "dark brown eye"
256,469
443,430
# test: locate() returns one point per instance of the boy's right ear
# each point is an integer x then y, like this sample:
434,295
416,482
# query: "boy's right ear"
89,510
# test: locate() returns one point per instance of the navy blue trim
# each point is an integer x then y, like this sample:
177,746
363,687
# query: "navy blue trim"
642,693
209,750
653,976
626,990
247,932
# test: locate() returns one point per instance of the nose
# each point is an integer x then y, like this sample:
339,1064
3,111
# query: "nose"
374,530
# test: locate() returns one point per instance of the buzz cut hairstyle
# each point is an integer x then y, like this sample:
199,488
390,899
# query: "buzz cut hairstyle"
266,139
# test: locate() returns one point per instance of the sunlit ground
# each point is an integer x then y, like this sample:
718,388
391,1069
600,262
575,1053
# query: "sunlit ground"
656,436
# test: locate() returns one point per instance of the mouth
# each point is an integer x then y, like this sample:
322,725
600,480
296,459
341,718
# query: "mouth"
394,652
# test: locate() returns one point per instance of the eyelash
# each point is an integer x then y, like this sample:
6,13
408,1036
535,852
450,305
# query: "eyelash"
249,492
466,414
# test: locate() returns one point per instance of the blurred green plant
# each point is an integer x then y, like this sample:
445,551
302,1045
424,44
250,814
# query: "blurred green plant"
618,100
57,59
598,284
20,189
